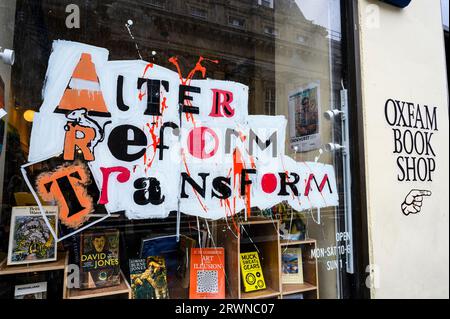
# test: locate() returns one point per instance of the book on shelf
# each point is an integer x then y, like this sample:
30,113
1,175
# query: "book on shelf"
148,278
207,273
31,291
99,259
292,266
251,270
31,240
176,256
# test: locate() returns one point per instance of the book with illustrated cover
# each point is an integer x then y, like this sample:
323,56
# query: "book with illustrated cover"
31,291
207,273
292,267
166,247
31,240
99,259
148,278
252,274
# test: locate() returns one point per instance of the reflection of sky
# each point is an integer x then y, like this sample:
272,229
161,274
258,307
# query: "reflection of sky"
444,4
325,13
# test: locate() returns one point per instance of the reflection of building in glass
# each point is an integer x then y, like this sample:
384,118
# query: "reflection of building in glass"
265,44
248,37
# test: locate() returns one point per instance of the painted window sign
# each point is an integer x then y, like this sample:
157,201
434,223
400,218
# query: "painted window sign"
155,141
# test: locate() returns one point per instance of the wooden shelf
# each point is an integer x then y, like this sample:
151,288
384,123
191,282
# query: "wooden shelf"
289,289
59,264
297,242
258,221
260,294
123,288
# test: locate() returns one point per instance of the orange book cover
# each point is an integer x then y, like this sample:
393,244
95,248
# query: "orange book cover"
207,273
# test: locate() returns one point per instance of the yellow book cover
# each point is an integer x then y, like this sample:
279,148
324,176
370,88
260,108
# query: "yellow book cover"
251,270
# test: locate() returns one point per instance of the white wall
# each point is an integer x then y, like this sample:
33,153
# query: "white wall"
402,53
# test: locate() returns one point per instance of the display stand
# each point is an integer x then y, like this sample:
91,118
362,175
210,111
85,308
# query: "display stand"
255,235
122,289
58,265
262,235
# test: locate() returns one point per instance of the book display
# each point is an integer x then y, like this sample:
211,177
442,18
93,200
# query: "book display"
255,263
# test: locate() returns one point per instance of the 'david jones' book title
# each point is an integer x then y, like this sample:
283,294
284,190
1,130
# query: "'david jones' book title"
100,259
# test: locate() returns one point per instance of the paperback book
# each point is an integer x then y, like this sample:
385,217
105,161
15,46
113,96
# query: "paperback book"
292,266
251,270
99,253
207,273
149,278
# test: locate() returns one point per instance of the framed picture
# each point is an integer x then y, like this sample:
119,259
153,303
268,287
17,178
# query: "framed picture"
304,118
30,239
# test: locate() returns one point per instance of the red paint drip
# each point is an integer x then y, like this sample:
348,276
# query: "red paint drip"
147,67
238,166
187,81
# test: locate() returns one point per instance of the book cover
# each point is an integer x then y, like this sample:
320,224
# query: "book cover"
99,264
207,273
292,267
31,291
148,278
31,240
166,247
184,257
252,274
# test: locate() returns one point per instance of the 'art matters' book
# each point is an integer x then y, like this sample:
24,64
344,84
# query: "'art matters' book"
99,255
252,274
207,273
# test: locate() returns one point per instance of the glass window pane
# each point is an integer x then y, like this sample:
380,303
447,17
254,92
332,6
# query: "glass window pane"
139,79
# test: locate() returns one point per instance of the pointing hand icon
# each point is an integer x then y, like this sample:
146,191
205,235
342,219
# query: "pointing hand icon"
413,201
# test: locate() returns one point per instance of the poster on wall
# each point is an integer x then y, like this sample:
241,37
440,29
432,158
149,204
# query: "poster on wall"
154,140
304,118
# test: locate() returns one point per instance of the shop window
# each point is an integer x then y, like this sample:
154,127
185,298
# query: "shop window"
185,162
